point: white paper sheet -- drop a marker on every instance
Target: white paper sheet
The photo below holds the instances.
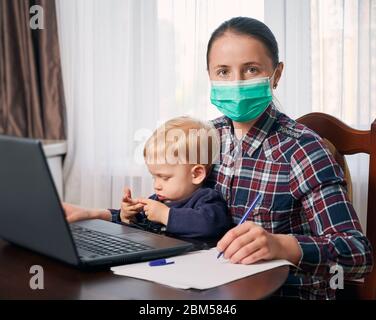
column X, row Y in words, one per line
column 197, row 270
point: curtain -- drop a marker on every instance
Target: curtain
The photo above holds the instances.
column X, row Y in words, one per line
column 110, row 72
column 31, row 89
column 343, row 74
column 128, row 66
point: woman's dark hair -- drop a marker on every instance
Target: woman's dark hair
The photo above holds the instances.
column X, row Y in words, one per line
column 250, row 27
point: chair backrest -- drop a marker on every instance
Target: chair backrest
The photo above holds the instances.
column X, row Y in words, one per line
column 341, row 160
column 349, row 141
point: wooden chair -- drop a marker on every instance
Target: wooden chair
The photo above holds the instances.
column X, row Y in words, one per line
column 349, row 141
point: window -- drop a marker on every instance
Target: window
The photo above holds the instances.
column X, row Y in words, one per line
column 185, row 28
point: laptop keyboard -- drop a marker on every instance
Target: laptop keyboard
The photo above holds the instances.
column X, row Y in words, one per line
column 103, row 244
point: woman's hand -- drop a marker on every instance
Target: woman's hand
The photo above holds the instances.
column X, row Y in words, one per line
column 75, row 213
column 249, row 243
column 129, row 207
column 156, row 211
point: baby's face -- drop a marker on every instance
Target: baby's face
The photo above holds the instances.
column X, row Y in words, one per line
column 172, row 182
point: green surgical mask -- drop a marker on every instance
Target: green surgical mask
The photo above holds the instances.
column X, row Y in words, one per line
column 242, row 100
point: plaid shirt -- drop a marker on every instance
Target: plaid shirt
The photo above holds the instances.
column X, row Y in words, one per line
column 303, row 194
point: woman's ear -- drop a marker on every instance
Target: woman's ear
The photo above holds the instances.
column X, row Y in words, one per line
column 198, row 173
column 278, row 74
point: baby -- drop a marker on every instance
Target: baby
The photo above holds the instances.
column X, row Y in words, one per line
column 179, row 156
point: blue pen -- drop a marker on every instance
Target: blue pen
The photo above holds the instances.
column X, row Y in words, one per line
column 160, row 262
column 246, row 214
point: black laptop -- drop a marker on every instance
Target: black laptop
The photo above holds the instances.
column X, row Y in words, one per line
column 31, row 216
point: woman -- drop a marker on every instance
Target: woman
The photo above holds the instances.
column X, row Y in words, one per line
column 305, row 215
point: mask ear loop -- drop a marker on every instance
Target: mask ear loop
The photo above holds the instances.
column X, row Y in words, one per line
column 276, row 102
column 275, row 85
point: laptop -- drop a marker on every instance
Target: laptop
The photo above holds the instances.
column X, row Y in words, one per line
column 31, row 216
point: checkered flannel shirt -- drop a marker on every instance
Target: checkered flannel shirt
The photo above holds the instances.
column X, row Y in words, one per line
column 303, row 194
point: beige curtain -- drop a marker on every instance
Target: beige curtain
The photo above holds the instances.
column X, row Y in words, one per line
column 343, row 50
column 31, row 88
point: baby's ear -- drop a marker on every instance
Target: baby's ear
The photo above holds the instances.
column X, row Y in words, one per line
column 198, row 173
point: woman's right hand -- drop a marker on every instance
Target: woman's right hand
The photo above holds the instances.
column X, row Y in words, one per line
column 75, row 213
column 129, row 207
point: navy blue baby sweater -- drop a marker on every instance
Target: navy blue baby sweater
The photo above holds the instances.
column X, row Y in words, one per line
column 203, row 215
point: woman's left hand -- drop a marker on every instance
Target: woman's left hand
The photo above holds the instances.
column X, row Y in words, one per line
column 249, row 243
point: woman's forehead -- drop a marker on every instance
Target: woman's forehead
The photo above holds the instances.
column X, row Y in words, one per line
column 235, row 49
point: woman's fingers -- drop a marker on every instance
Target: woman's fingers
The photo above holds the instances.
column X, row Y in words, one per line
column 239, row 243
column 251, row 246
column 232, row 234
column 261, row 254
column 247, row 244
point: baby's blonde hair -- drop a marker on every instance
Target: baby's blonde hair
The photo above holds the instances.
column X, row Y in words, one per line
column 183, row 140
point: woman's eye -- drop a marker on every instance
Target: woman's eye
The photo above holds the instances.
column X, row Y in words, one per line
column 251, row 70
column 222, row 73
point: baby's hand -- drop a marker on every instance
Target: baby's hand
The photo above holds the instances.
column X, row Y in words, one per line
column 156, row 211
column 129, row 207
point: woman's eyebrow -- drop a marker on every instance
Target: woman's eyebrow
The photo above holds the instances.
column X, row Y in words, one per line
column 221, row 66
column 251, row 63
column 244, row 64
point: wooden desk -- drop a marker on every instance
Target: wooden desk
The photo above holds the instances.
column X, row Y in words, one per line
column 65, row 282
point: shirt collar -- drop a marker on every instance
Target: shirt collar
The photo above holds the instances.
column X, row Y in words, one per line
column 259, row 131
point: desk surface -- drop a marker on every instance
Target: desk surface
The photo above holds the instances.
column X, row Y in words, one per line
column 65, row 282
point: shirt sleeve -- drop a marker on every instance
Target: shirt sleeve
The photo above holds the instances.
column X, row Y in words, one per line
column 208, row 218
column 334, row 235
column 115, row 215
